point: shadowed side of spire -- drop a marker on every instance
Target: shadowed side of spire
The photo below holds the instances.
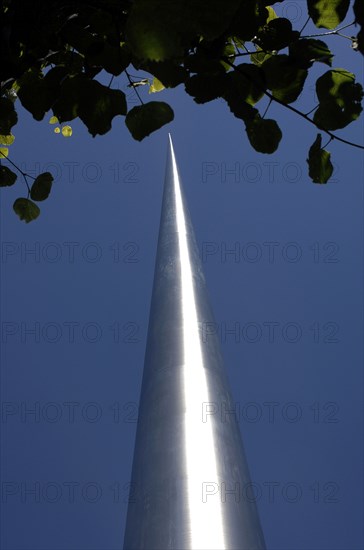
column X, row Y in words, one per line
column 187, row 455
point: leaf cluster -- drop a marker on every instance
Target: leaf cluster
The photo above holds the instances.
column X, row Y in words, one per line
column 56, row 53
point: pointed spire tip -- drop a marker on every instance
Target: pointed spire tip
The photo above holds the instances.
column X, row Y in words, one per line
column 170, row 141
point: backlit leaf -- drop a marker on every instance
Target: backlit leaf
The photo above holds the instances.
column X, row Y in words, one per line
column 7, row 176
column 264, row 134
column 277, row 34
column 145, row 119
column 308, row 50
column 205, row 88
column 271, row 14
column 37, row 93
column 246, row 83
column 41, row 187
column 99, row 105
column 319, row 163
column 168, row 72
column 26, row 209
column 114, row 59
column 162, row 30
column 67, row 131
column 340, row 99
column 284, row 78
column 7, row 140
column 156, row 86
column 67, row 104
column 327, row 13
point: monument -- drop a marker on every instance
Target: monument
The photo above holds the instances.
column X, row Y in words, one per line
column 189, row 467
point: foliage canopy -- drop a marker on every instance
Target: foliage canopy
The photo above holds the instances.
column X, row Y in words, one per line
column 54, row 50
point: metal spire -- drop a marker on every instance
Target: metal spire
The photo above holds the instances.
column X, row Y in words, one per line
column 190, row 477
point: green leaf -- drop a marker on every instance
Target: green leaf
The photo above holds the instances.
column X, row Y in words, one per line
column 7, row 177
column 249, row 18
column 163, row 29
column 202, row 63
column 327, row 13
column 70, row 59
column 8, row 116
column 308, row 50
column 4, row 151
column 99, row 105
column 277, row 34
column 26, row 209
column 320, row 166
column 66, row 106
column 41, row 187
column 340, row 99
column 156, row 86
column 246, row 83
column 243, row 88
column 145, row 119
column 329, row 116
column 7, row 140
column 205, row 88
column 52, row 82
column 260, row 56
column 264, row 134
column 37, row 93
column 94, row 103
column 32, row 94
column 114, row 59
column 229, row 52
column 67, row 131
column 241, row 109
column 167, row 72
column 284, row 77
column 271, row 14
column 340, row 85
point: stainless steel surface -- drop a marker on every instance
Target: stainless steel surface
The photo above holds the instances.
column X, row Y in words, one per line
column 190, row 479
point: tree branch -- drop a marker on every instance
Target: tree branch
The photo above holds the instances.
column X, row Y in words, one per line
column 24, row 174
column 294, row 110
column 328, row 33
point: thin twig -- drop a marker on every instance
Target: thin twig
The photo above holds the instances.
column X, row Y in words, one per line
column 132, row 85
column 312, row 110
column 328, row 33
column 26, row 183
column 17, row 167
column 266, row 110
column 309, row 17
column 247, row 53
column 326, row 144
column 24, row 174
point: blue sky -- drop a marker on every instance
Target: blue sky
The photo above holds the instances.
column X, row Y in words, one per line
column 74, row 316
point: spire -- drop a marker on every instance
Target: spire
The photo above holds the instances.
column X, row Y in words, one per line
column 190, row 477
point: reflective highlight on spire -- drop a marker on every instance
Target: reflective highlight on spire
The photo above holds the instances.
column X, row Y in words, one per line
column 205, row 518
column 189, row 476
